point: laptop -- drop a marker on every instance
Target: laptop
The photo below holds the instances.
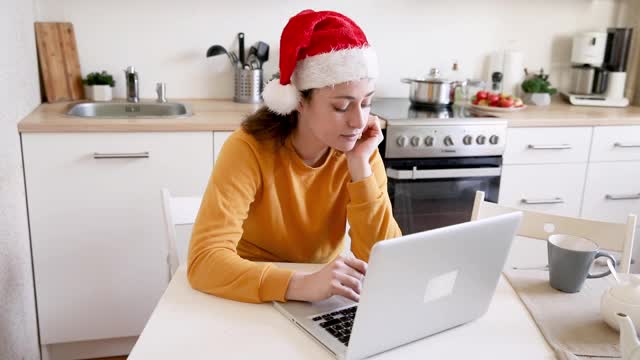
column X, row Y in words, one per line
column 416, row 285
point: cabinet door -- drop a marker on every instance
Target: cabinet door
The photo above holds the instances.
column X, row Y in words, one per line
column 97, row 231
column 612, row 143
column 547, row 145
column 219, row 137
column 612, row 191
column 551, row 188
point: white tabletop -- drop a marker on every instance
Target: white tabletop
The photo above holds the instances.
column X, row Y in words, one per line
column 188, row 324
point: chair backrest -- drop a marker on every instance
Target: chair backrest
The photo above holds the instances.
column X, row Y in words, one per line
column 178, row 210
column 537, row 225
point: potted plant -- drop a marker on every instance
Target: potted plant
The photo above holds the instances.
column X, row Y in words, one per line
column 98, row 86
column 537, row 89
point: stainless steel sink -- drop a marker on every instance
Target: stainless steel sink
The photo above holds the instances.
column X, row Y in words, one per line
column 129, row 110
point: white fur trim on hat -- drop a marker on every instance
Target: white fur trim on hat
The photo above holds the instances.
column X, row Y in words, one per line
column 281, row 99
column 335, row 67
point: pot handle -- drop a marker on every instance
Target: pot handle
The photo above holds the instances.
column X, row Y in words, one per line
column 406, row 81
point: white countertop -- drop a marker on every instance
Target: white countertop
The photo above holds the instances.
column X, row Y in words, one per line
column 188, row 324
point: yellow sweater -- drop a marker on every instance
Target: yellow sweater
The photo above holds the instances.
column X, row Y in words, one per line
column 265, row 204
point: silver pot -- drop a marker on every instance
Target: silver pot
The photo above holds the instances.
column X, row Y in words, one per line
column 432, row 90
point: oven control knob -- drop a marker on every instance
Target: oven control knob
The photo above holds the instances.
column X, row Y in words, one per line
column 428, row 141
column 481, row 139
column 415, row 141
column 467, row 140
column 401, row 141
column 494, row 139
column 448, row 141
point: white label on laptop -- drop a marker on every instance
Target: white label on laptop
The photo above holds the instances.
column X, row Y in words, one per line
column 440, row 286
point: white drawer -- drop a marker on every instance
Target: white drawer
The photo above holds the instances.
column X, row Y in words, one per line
column 616, row 143
column 612, row 191
column 547, row 145
column 550, row 188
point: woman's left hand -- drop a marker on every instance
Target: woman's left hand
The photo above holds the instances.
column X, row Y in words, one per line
column 358, row 157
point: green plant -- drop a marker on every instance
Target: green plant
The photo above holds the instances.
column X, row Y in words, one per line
column 99, row 78
column 538, row 83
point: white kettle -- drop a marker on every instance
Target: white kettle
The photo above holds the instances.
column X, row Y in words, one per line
column 623, row 298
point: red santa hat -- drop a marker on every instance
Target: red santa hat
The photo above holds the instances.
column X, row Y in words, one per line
column 318, row 49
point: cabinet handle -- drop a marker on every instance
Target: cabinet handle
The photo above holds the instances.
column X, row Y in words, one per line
column 556, row 200
column 549, row 147
column 622, row 197
column 138, row 155
column 623, row 145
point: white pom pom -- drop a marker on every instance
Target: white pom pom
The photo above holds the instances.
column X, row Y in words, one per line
column 281, row 99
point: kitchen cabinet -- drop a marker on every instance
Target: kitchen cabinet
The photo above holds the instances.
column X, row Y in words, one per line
column 552, row 188
column 612, row 191
column 97, row 231
column 547, row 145
column 544, row 169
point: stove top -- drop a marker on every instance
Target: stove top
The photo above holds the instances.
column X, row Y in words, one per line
column 453, row 131
column 392, row 109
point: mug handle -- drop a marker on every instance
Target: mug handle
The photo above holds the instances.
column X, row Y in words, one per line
column 602, row 254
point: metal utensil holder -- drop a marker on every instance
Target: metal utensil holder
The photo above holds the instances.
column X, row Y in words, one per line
column 248, row 86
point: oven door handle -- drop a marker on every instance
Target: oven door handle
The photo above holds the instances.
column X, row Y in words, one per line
column 416, row 174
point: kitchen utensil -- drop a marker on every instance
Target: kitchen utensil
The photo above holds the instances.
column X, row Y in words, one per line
column 262, row 52
column 253, row 62
column 496, row 82
column 622, row 298
column 241, row 48
column 59, row 62
column 570, row 258
column 252, row 50
column 432, row 90
column 216, row 50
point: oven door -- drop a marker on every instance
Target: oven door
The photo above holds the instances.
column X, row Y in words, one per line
column 432, row 193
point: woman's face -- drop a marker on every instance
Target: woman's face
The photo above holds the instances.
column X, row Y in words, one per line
column 336, row 115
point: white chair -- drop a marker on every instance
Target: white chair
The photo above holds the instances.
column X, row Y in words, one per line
column 178, row 211
column 609, row 236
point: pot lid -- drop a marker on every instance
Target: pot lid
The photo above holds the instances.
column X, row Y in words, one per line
column 628, row 292
column 433, row 77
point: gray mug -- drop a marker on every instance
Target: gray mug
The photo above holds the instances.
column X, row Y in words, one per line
column 570, row 258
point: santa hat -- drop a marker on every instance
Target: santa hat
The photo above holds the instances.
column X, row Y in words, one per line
column 318, row 49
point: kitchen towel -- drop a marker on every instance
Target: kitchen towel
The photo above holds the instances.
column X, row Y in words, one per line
column 513, row 73
column 571, row 323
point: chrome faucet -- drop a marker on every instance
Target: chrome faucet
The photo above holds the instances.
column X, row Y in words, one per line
column 131, row 77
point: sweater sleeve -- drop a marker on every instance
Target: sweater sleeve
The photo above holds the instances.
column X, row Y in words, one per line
column 214, row 265
column 369, row 211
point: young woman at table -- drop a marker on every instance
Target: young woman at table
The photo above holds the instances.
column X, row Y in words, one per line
column 285, row 184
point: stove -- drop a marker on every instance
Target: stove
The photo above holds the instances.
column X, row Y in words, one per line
column 452, row 131
column 436, row 159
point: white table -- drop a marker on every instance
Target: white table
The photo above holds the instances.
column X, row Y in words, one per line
column 188, row 324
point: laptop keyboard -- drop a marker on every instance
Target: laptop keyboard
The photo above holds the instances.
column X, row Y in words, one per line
column 338, row 323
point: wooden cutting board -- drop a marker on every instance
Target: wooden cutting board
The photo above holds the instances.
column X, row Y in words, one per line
column 59, row 63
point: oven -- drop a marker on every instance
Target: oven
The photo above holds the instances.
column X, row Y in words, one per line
column 435, row 165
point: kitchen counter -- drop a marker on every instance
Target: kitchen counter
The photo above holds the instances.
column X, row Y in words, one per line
column 226, row 115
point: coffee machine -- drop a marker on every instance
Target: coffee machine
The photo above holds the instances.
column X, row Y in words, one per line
column 599, row 65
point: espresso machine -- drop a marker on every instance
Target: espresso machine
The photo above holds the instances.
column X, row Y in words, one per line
column 599, row 65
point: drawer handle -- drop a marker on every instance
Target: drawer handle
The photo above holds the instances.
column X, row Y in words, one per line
column 622, row 197
column 138, row 155
column 549, row 147
column 556, row 200
column 623, row 145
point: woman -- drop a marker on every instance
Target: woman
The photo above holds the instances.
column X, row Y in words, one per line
column 285, row 184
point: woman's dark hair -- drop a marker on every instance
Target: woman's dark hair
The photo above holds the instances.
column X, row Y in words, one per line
column 265, row 124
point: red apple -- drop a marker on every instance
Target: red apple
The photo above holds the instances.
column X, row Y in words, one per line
column 506, row 102
column 482, row 95
column 493, row 98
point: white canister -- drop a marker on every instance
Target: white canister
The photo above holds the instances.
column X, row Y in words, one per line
column 513, row 73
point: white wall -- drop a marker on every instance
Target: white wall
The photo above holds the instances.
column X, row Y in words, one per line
column 19, row 94
column 166, row 40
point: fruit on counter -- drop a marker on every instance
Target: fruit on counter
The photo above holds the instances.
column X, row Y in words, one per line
column 485, row 98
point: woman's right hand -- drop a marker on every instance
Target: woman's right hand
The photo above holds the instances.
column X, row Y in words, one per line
column 343, row 276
